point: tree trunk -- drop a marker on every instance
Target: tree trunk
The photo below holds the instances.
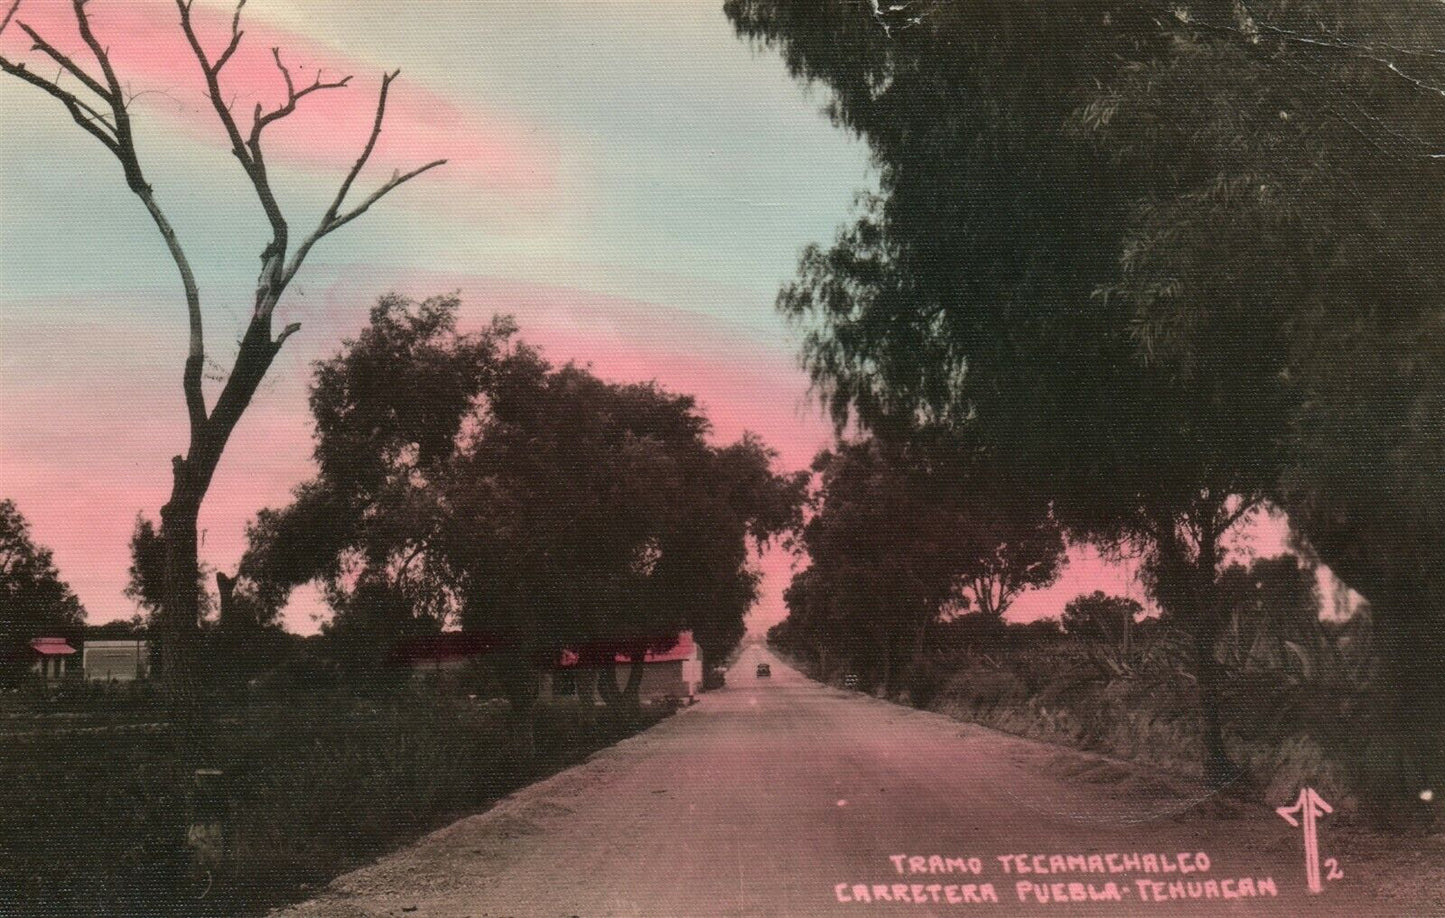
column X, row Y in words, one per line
column 1128, row 642
column 1402, row 752
column 607, row 684
column 587, row 679
column 632, row 691
column 1218, row 770
column 521, row 682
column 232, row 618
column 628, row 697
column 190, row 481
column 887, row 668
column 523, row 729
column 918, row 639
column 1187, row 585
column 180, row 610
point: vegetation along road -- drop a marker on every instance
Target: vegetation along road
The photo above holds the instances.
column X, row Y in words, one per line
column 779, row 796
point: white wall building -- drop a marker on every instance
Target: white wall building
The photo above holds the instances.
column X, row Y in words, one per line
column 121, row 661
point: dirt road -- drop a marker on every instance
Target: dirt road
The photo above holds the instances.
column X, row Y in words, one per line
column 777, row 796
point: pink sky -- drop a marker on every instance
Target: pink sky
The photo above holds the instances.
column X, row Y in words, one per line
column 632, row 186
column 486, row 150
column 52, row 423
column 49, row 432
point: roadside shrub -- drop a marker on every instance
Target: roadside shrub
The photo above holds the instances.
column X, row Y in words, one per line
column 924, row 680
column 91, row 821
column 983, row 688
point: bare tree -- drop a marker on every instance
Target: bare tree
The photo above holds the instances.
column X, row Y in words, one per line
column 100, row 106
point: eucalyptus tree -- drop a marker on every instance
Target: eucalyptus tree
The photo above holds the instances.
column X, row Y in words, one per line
column 597, row 517
column 903, row 533
column 98, row 98
column 966, row 292
column 390, row 407
column 1294, row 233
column 1162, row 269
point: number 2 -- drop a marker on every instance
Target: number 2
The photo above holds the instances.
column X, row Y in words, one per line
column 1333, row 866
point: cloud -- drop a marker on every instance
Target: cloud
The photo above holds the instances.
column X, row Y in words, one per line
column 93, row 411
column 486, row 150
column 743, row 378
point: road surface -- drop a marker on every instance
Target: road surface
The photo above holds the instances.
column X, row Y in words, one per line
column 781, row 797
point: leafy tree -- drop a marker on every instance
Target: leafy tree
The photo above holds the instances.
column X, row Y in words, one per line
column 33, row 598
column 738, row 504
column 244, row 639
column 98, row 98
column 1280, row 594
column 1134, row 262
column 389, row 409
column 1288, row 235
column 133, row 628
column 147, row 583
column 462, row 479
column 585, row 514
column 834, row 630
column 1097, row 616
column 1365, row 494
column 904, row 531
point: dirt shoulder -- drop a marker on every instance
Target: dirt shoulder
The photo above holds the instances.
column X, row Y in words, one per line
column 781, row 797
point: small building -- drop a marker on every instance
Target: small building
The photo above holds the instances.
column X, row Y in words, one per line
column 115, row 661
column 50, row 657
column 675, row 672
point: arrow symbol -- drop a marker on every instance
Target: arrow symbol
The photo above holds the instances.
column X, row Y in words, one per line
column 1305, row 811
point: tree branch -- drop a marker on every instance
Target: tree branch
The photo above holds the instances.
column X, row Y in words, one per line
column 397, row 179
column 1327, row 42
column 356, row 167
column 260, row 121
column 1245, row 506
column 333, row 219
column 209, row 430
column 9, row 16
column 85, row 116
column 273, row 255
column 123, row 146
column 213, row 86
column 66, row 63
column 236, row 34
column 102, row 57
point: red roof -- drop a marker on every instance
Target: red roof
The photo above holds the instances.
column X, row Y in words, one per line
column 683, row 649
column 446, row 646
column 51, row 647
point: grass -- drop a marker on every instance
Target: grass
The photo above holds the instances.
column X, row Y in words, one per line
column 92, row 821
column 1283, row 736
column 1149, row 718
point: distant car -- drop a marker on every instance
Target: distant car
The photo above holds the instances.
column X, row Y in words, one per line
column 764, row 670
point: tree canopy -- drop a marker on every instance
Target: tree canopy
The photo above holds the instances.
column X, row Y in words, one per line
column 389, row 409
column 904, row 533
column 1157, row 267
column 462, row 480
column 592, row 514
column 33, row 598
column 1101, row 617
